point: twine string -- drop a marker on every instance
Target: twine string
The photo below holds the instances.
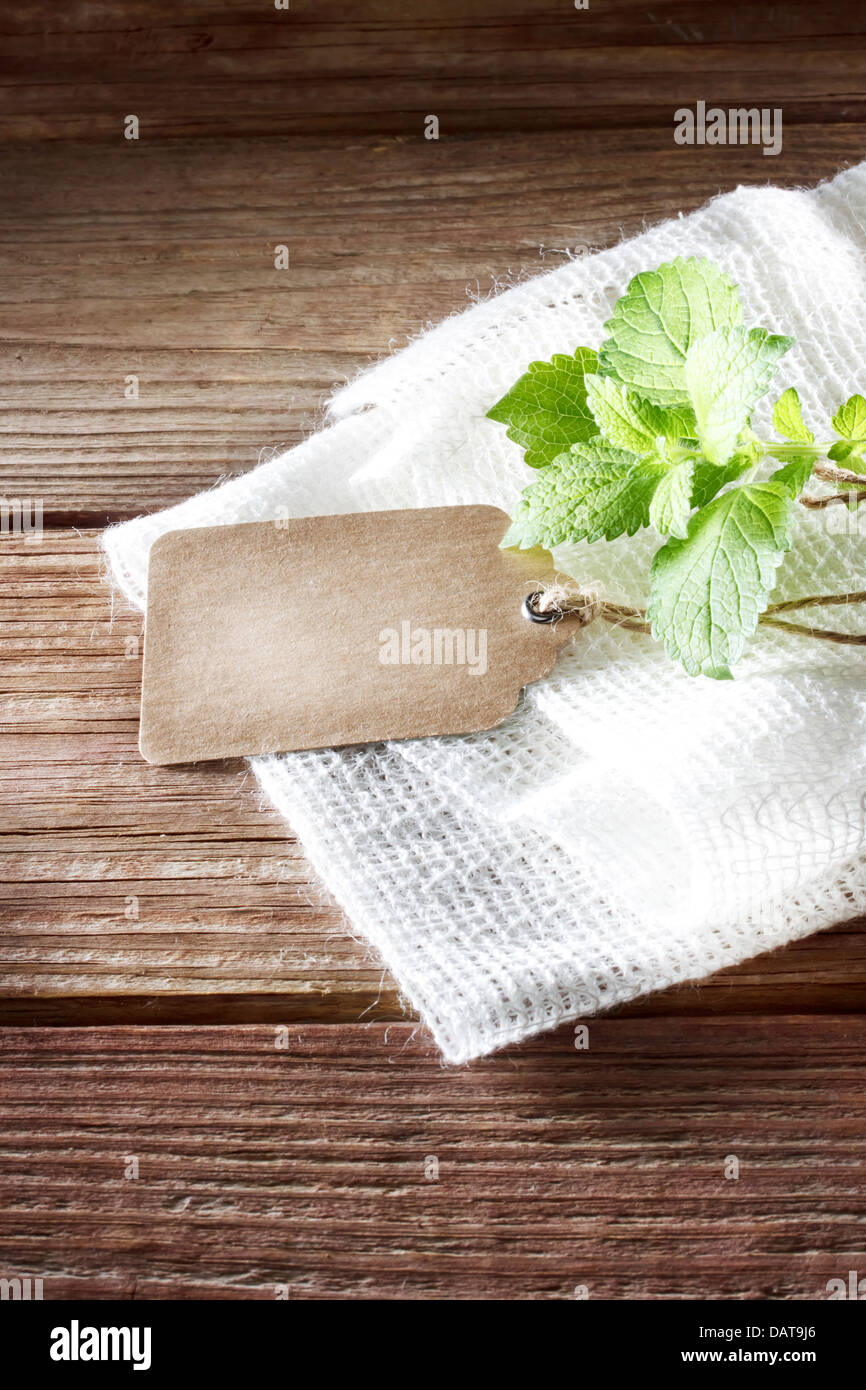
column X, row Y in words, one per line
column 565, row 600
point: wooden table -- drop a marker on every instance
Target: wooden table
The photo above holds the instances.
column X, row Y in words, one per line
column 178, row 996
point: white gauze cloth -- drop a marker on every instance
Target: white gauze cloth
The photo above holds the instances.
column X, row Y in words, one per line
column 628, row 826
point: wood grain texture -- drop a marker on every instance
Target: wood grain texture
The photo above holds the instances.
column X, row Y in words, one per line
column 157, row 261
column 232, row 924
column 305, row 1167
column 73, row 71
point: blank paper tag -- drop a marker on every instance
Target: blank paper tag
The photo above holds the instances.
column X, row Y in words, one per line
column 323, row 631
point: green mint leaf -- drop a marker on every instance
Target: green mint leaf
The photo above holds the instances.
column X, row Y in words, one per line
column 710, row 478
column 709, row 590
column 674, row 423
column 615, row 412
column 662, row 313
column 629, row 421
column 727, row 373
column 590, row 493
column 845, row 451
column 788, row 418
column 850, row 420
column 672, row 500
column 794, row 474
column 546, row 409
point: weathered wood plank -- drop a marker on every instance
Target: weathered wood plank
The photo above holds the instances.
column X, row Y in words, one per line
column 250, row 68
column 231, row 922
column 315, row 1166
column 168, row 275
column 131, row 894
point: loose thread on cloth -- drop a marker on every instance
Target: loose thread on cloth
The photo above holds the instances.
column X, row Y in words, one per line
column 587, row 603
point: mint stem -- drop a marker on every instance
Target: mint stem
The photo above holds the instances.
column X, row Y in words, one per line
column 822, row 468
column 635, row 618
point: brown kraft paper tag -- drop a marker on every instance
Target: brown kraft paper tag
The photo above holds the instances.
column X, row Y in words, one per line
column 270, row 637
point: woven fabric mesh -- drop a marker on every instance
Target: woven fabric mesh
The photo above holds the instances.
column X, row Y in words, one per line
column 627, row 827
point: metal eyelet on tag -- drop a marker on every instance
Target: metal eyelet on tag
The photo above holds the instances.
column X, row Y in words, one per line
column 532, row 613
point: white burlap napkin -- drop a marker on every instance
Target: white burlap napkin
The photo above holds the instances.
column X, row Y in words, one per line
column 628, row 826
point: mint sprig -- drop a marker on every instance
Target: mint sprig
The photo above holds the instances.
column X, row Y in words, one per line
column 655, row 431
